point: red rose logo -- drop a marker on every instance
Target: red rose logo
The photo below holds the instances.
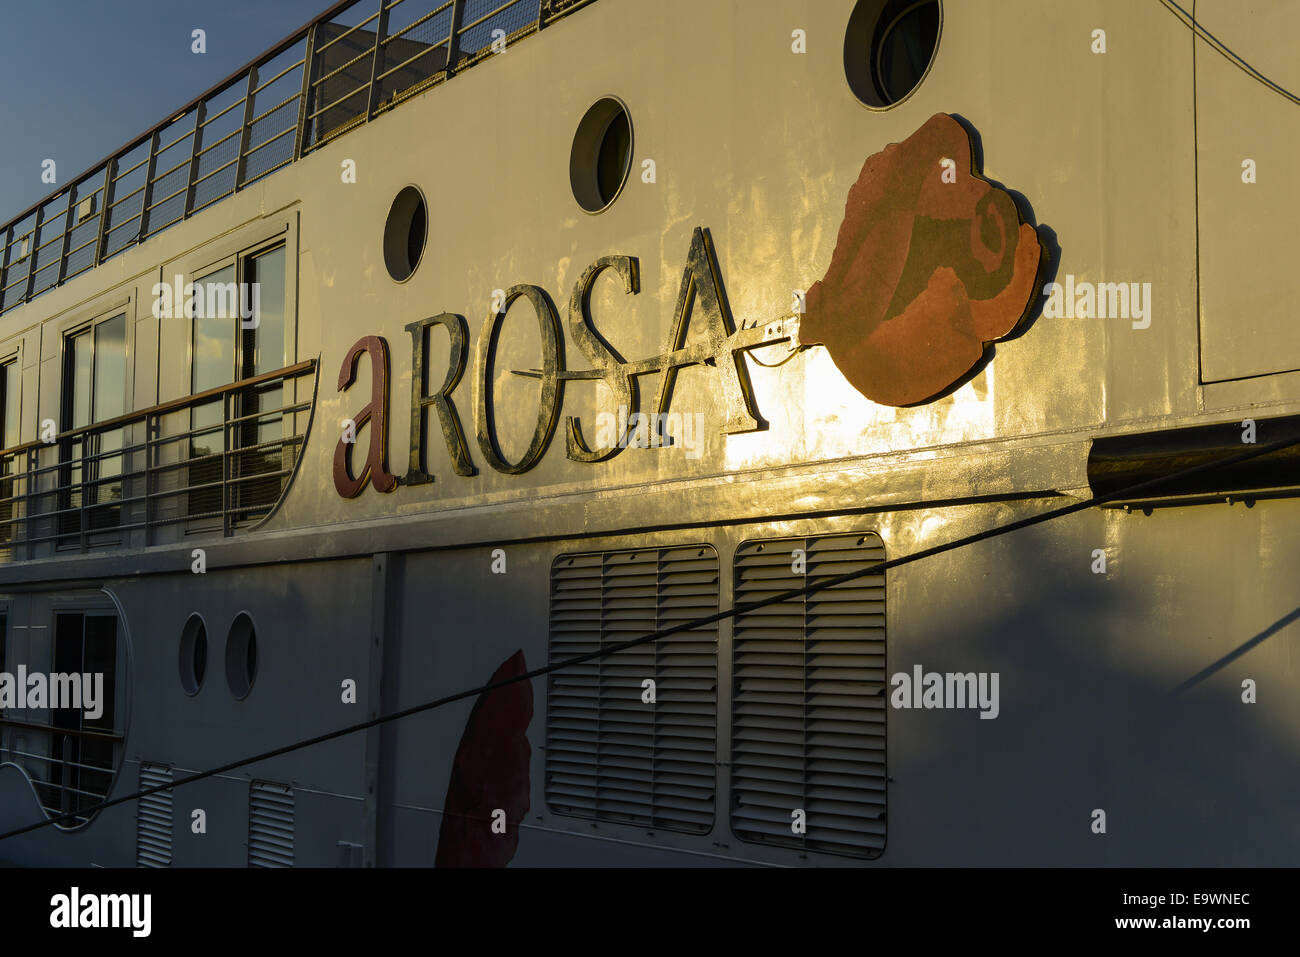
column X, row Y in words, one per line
column 931, row 264
column 489, row 774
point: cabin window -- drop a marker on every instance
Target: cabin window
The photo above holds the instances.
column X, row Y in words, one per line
column 85, row 644
column 405, row 233
column 4, row 643
column 601, row 156
column 809, row 696
column 241, row 656
column 11, row 390
column 888, row 48
column 94, row 390
column 61, row 725
column 237, row 466
column 193, row 654
column 631, row 738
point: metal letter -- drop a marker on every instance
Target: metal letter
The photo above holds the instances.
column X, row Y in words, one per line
column 702, row 285
column 601, row 354
column 452, row 433
column 548, row 412
column 376, row 413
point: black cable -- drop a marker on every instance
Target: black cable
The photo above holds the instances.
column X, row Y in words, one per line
column 876, row 569
column 1187, row 20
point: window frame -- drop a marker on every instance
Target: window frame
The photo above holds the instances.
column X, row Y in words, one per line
column 240, row 259
column 12, row 355
column 86, row 323
column 252, row 239
column 11, row 361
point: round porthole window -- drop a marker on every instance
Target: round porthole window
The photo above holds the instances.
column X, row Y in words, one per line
column 602, row 154
column 241, row 655
column 405, row 233
column 193, row 654
column 888, row 48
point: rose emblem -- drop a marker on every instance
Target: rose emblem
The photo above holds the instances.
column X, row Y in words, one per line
column 931, row 264
column 489, row 773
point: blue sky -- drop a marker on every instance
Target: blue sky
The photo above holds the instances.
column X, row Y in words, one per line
column 83, row 77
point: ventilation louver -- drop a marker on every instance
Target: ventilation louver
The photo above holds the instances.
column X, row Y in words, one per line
column 153, row 833
column 610, row 755
column 809, row 697
column 270, row 825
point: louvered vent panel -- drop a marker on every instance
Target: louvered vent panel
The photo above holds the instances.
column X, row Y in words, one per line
column 270, row 825
column 153, row 831
column 809, row 697
column 608, row 754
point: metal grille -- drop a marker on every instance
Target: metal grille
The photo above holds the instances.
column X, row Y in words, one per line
column 355, row 61
column 153, row 833
column 486, row 21
column 270, row 825
column 609, row 755
column 809, row 697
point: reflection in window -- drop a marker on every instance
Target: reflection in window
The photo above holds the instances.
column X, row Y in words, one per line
column 263, row 351
column 243, row 339
column 11, row 386
column 213, row 365
column 94, row 390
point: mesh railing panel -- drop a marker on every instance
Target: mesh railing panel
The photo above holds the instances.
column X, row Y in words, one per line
column 365, row 57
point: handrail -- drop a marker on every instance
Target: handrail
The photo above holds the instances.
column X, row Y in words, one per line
column 118, row 482
column 162, row 408
column 74, row 732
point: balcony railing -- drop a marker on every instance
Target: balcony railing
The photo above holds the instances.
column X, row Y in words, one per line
column 70, row 769
column 356, row 60
column 210, row 463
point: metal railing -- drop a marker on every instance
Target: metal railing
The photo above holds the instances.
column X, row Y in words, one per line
column 70, row 768
column 212, row 462
column 356, row 60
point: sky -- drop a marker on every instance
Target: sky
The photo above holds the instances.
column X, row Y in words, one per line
column 81, row 78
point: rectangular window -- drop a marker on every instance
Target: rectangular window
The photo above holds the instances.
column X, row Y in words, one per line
column 11, row 393
column 809, row 697
column 237, row 460
column 94, row 390
column 81, row 769
column 632, row 737
column 11, row 389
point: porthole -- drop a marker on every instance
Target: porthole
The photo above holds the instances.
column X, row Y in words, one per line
column 193, row 654
column 405, row 233
column 602, row 154
column 888, row 48
column 241, row 655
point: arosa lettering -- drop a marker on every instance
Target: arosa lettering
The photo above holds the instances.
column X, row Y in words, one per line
column 701, row 304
